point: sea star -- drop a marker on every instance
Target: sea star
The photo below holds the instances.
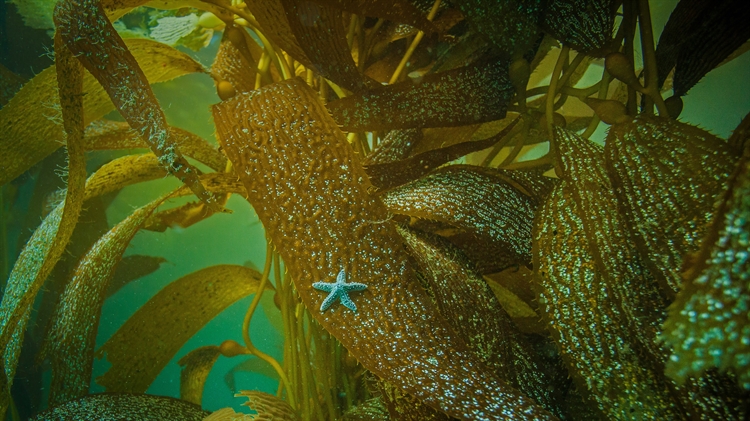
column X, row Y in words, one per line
column 339, row 290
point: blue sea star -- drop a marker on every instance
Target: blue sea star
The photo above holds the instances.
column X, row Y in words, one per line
column 339, row 290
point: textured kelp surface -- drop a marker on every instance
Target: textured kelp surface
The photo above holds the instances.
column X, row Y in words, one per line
column 499, row 212
column 72, row 337
column 46, row 245
column 668, row 176
column 305, row 168
column 467, row 95
column 118, row 406
column 708, row 323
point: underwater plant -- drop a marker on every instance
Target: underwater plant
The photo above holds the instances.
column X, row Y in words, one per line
column 422, row 264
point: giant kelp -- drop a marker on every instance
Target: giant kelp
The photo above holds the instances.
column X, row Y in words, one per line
column 639, row 279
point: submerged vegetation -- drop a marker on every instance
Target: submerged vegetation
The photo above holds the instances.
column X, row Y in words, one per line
column 383, row 146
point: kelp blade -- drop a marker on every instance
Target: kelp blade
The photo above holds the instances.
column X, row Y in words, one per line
column 584, row 318
column 303, row 180
column 709, row 324
column 641, row 306
column 584, row 24
column 481, row 201
column 46, row 245
column 195, row 368
column 29, row 123
column 141, row 348
column 468, row 303
column 86, row 31
column 668, row 176
column 119, row 406
column 467, row 95
column 71, row 340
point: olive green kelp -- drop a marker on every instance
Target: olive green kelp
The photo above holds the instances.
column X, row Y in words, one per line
column 311, row 195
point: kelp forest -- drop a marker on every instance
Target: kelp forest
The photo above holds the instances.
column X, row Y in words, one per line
column 466, row 209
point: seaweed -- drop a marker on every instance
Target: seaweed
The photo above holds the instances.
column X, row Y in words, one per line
column 383, row 146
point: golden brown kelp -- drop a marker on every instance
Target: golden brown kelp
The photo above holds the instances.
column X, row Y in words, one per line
column 482, row 201
column 580, row 164
column 708, row 323
column 195, row 368
column 401, row 11
column 107, row 135
column 141, row 348
column 394, row 173
column 118, row 406
column 467, row 95
column 235, row 67
column 46, row 245
column 584, row 318
column 311, row 195
column 370, row 410
column 72, row 335
column 468, row 304
column 511, row 25
column 396, row 145
column 667, row 175
column 321, row 35
column 86, row 31
column 30, row 126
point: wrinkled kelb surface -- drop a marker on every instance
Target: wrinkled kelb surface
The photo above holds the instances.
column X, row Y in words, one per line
column 311, row 195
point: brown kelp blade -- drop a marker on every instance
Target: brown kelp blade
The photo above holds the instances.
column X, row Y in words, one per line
column 468, row 95
column 87, row 32
column 698, row 37
column 391, row 174
column 616, row 259
column 511, row 25
column 586, row 25
column 47, row 243
column 273, row 23
column 141, row 348
column 236, row 62
column 470, row 306
column 584, row 317
column 480, row 200
column 401, row 11
column 668, row 175
column 118, row 406
column 195, row 368
column 311, row 194
column 321, row 34
column 709, row 324
column 72, row 337
column 29, row 123
column 396, row 145
column 107, row 135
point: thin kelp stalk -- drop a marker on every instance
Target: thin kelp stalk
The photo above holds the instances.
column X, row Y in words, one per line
column 413, row 46
column 651, row 73
column 562, row 58
column 246, row 329
column 48, row 242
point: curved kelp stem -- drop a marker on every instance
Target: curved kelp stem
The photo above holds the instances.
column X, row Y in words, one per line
column 86, row 31
column 246, row 328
